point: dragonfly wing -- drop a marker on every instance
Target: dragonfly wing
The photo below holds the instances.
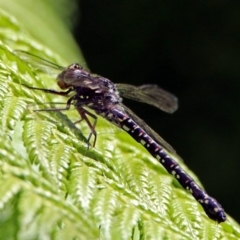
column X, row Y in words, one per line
column 150, row 94
column 38, row 63
column 149, row 130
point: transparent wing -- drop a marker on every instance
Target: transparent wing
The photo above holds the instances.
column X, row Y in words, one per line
column 38, row 63
column 149, row 130
column 151, row 94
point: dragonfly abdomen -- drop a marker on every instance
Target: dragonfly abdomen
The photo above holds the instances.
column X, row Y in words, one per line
column 211, row 207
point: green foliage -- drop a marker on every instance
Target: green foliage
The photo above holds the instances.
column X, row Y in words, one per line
column 54, row 187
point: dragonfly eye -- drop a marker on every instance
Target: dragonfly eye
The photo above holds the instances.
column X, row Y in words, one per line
column 74, row 66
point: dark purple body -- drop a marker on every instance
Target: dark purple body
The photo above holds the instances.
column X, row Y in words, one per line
column 105, row 101
column 102, row 96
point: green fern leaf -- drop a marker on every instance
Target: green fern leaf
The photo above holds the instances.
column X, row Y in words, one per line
column 54, row 187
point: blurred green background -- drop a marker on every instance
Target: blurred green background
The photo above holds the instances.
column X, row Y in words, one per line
column 191, row 49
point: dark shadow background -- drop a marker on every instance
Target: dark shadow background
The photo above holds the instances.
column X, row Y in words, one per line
column 191, row 49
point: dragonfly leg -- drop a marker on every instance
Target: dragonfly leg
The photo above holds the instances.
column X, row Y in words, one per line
column 83, row 113
column 68, row 105
column 51, row 90
column 78, row 121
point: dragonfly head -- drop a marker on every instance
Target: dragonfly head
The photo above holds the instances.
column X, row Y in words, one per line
column 68, row 77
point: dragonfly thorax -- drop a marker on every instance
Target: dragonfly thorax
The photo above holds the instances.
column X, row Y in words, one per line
column 96, row 97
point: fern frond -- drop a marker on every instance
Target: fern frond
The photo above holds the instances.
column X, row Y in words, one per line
column 54, row 187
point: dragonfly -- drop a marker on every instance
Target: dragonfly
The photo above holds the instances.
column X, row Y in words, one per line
column 91, row 91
